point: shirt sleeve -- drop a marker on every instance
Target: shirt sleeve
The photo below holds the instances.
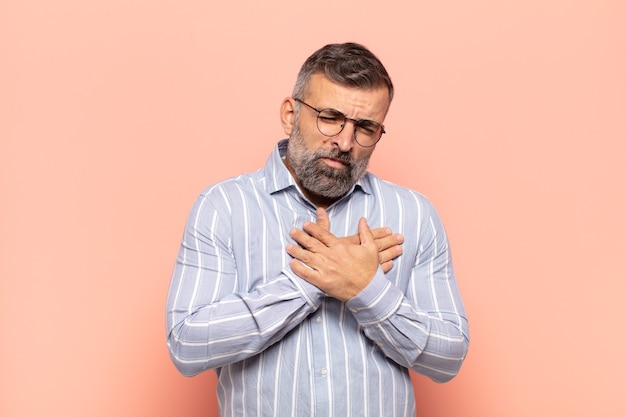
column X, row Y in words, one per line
column 211, row 321
column 423, row 327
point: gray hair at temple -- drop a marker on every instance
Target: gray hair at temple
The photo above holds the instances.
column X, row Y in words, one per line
column 347, row 64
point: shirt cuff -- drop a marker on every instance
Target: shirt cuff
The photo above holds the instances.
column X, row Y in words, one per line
column 377, row 302
column 310, row 292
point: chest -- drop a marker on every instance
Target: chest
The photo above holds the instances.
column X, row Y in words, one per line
column 261, row 233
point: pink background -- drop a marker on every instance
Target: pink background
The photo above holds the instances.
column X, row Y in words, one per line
column 114, row 115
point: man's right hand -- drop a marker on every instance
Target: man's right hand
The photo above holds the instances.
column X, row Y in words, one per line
column 389, row 243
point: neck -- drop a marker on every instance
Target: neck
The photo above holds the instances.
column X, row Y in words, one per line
column 317, row 200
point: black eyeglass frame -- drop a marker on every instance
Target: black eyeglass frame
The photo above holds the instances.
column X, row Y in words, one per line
column 356, row 123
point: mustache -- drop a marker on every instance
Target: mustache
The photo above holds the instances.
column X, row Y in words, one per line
column 344, row 157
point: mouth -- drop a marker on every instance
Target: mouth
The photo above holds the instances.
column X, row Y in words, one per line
column 334, row 163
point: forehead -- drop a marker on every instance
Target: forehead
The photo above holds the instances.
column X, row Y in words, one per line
column 354, row 102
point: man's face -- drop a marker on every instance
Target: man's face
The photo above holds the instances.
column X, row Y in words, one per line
column 326, row 166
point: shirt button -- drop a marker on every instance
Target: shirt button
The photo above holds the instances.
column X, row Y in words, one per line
column 324, row 371
column 318, row 319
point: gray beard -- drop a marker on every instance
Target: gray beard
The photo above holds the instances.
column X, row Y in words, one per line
column 317, row 177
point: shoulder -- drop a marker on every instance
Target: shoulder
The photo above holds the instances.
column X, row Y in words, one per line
column 232, row 186
column 387, row 190
column 222, row 196
column 410, row 208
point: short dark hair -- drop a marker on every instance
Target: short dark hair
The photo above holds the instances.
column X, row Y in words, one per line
column 347, row 64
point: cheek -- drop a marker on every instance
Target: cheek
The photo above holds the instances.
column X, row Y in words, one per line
column 360, row 153
column 311, row 138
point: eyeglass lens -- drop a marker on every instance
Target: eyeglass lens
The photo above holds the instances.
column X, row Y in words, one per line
column 331, row 122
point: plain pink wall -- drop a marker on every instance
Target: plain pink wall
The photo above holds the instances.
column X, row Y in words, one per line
column 510, row 116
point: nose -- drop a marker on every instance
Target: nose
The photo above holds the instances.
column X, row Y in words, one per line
column 345, row 139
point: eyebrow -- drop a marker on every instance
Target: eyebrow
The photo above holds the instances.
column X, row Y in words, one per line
column 349, row 118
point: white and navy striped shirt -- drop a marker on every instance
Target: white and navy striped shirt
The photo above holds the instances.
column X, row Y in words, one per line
column 280, row 347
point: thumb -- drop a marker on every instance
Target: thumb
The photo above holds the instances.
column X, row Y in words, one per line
column 322, row 219
column 365, row 233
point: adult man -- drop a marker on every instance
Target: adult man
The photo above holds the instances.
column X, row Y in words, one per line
column 296, row 319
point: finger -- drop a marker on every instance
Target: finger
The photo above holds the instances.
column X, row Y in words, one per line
column 322, row 218
column 305, row 240
column 381, row 232
column 365, row 233
column 320, row 234
column 389, row 254
column 304, row 263
column 303, row 271
column 388, row 242
column 300, row 254
column 386, row 266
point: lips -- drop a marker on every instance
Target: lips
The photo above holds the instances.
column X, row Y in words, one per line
column 335, row 163
column 336, row 159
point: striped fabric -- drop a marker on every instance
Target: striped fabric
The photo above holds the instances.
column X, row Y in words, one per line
column 280, row 347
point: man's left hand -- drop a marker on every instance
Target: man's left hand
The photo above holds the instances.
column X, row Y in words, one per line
column 337, row 266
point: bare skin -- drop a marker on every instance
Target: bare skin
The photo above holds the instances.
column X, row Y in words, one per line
column 341, row 267
column 354, row 103
column 389, row 243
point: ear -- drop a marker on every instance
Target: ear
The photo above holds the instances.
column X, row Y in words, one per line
column 288, row 115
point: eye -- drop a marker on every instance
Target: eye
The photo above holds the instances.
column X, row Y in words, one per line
column 331, row 116
column 368, row 127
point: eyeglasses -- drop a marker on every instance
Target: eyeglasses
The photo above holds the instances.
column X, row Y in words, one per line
column 330, row 122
